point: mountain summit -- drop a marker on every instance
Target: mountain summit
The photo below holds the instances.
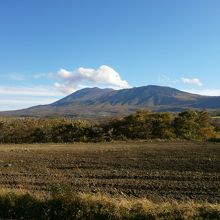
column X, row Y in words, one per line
column 96, row 102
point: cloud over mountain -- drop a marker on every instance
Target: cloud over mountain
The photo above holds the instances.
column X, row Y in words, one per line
column 104, row 76
column 192, row 81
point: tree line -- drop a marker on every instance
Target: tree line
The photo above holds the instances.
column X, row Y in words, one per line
column 189, row 125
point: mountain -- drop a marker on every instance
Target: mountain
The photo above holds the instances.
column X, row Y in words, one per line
column 96, row 102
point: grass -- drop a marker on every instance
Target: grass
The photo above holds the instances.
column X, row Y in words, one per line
column 99, row 206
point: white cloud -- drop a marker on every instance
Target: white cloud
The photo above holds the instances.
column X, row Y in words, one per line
column 29, row 91
column 166, row 80
column 13, row 77
column 192, row 81
column 44, row 75
column 16, row 77
column 64, row 88
column 207, row 92
column 12, row 98
column 10, row 103
column 104, row 76
column 64, row 74
column 17, row 97
column 27, row 101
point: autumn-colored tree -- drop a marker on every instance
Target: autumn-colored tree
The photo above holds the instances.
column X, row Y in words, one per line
column 191, row 125
column 206, row 129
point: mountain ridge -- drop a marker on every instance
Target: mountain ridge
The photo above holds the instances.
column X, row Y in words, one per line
column 96, row 102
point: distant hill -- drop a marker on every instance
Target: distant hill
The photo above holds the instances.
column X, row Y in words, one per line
column 96, row 102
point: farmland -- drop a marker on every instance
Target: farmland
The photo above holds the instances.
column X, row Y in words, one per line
column 158, row 170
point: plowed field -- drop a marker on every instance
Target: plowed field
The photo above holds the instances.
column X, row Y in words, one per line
column 157, row 170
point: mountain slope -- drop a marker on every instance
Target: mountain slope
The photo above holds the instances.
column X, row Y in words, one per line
column 95, row 102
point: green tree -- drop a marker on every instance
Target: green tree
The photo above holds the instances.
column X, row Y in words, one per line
column 186, row 125
column 162, row 126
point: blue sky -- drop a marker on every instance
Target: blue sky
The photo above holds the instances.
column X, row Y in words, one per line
column 50, row 48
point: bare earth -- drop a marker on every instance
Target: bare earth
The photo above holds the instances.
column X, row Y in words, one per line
column 157, row 170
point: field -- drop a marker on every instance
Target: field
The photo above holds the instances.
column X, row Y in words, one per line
column 159, row 171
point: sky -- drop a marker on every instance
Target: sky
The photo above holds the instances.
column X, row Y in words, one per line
column 51, row 48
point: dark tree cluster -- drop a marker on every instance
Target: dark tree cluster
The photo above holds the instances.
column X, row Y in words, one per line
column 190, row 125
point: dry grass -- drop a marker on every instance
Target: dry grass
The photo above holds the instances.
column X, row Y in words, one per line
column 122, row 206
column 100, row 206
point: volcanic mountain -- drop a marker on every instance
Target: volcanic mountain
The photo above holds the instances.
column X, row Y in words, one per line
column 96, row 102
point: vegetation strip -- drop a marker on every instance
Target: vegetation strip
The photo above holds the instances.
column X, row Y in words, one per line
column 99, row 206
column 189, row 125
